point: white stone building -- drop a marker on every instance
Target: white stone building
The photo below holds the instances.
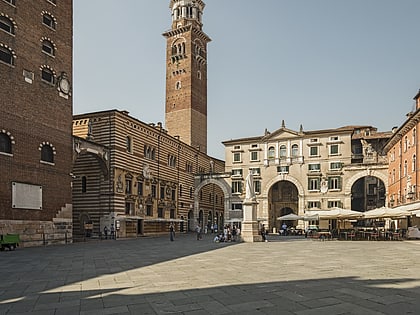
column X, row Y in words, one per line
column 295, row 171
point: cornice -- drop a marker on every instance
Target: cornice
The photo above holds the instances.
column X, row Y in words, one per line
column 409, row 124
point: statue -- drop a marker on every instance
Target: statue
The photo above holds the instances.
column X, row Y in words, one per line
column 250, row 193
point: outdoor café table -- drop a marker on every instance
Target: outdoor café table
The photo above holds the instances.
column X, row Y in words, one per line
column 345, row 233
column 324, row 235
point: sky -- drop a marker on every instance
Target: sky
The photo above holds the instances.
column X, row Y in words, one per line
column 321, row 64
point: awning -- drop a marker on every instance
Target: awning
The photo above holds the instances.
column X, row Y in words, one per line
column 290, row 217
column 386, row 212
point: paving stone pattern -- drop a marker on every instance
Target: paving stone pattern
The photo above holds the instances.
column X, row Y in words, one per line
column 157, row 276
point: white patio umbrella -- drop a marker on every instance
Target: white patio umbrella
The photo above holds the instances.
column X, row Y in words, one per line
column 385, row 212
column 290, row 217
column 335, row 213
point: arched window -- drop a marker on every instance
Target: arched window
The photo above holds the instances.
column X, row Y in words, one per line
column 47, row 75
column 7, row 25
column 47, row 153
column 6, row 55
column 5, row 143
column 405, row 168
column 84, row 184
column 283, row 151
column 295, row 150
column 271, row 153
column 48, row 47
column 49, row 20
column 413, row 163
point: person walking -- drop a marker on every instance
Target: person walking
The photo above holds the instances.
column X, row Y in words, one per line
column 263, row 234
column 171, row 232
column 198, row 231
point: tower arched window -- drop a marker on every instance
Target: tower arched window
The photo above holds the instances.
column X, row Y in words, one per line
column 7, row 25
column 5, row 143
column 47, row 153
column 6, row 55
column 48, row 47
column 178, row 85
column 295, row 150
column 49, row 20
column 47, row 75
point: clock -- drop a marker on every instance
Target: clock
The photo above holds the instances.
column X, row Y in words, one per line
column 64, row 84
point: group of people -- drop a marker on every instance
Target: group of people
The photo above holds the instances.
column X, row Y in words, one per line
column 112, row 232
column 229, row 234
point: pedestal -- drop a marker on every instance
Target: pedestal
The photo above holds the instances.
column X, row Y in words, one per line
column 250, row 229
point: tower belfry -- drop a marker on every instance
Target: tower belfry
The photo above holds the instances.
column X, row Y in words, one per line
column 186, row 74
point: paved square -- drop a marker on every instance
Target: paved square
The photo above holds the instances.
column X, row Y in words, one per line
column 156, row 276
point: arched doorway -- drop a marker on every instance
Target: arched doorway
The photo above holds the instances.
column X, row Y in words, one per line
column 283, row 199
column 367, row 193
column 191, row 221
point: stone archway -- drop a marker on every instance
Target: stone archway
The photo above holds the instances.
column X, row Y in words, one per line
column 283, row 198
column 221, row 211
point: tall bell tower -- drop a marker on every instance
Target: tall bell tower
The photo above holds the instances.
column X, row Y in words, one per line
column 186, row 74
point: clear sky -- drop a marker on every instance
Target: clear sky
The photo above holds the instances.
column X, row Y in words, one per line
column 320, row 63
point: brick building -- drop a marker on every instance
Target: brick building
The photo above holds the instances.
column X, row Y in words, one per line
column 140, row 178
column 35, row 119
column 403, row 172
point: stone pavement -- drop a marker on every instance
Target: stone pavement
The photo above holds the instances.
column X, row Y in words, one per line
column 155, row 276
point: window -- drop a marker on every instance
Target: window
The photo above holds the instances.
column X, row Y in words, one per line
column 334, row 149
column 48, row 20
column 149, row 210
column 84, row 184
column 178, row 85
column 7, row 25
column 405, row 168
column 191, row 192
column 6, row 55
column 47, row 75
column 140, row 188
column 314, row 183
column 405, row 143
column 162, row 192
column 314, row 167
column 237, row 173
column 236, row 157
column 413, row 163
column 236, row 206
column 47, row 153
column 236, row 147
column 128, row 183
column 129, row 144
column 334, row 204
column 334, row 183
column 160, row 212
column 254, row 156
column 271, row 153
column 237, row 187
column 335, row 166
column 313, row 151
column 5, row 143
column 171, row 160
column 172, row 214
column 154, row 191
column 257, row 186
column 12, row 2
column 295, row 150
column 284, row 169
column 283, row 151
column 48, row 47
column 335, row 138
column 173, row 194
column 256, row 171
column 314, row 204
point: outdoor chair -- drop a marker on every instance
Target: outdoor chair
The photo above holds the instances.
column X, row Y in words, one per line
column 374, row 235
